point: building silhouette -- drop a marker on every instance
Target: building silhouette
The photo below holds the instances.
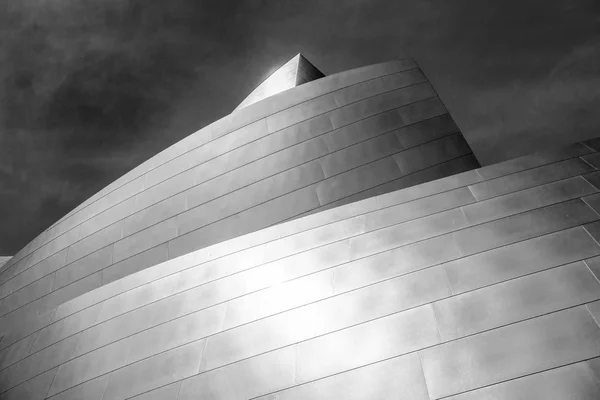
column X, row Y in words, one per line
column 333, row 237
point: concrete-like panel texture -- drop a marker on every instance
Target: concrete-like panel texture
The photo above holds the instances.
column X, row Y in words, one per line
column 481, row 285
column 322, row 144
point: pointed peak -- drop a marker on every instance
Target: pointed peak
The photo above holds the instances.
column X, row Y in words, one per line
column 295, row 72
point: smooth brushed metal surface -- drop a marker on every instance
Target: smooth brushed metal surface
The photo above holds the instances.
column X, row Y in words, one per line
column 516, row 300
column 511, row 352
column 398, row 378
column 573, row 381
column 519, row 259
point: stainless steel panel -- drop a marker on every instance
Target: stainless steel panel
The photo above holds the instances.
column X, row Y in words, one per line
column 324, row 317
column 432, row 187
column 529, row 178
column 23, row 328
column 178, row 164
column 425, row 131
column 240, row 136
column 363, row 129
column 34, row 389
column 108, row 217
column 383, row 102
column 399, row 378
column 6, row 377
column 16, row 352
column 244, row 380
column 44, row 360
column 432, row 173
column 594, row 366
column 594, row 309
column 290, row 157
column 573, row 381
column 532, row 161
column 594, row 230
column 432, row 153
column 36, row 272
column 138, row 262
column 275, row 211
column 61, row 242
column 358, row 179
column 593, row 159
column 406, row 233
column 95, row 241
column 176, row 333
column 90, row 390
column 594, row 266
column 65, row 327
column 422, row 110
column 418, row 208
column 360, row 154
column 126, row 191
column 83, row 267
column 395, row 262
column 520, row 259
column 227, row 162
column 593, row 178
column 137, row 297
column 362, row 90
column 593, row 201
column 278, row 298
column 27, row 294
column 284, row 247
column 301, row 112
column 402, row 79
column 524, row 226
column 71, row 291
column 510, row 352
column 295, row 134
column 251, row 196
column 89, row 366
column 145, row 239
column 528, row 199
column 380, row 339
column 154, row 213
column 593, row 144
column 154, row 372
column 516, row 300
column 169, row 392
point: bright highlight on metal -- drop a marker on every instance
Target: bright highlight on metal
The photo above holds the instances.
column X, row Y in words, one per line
column 293, row 73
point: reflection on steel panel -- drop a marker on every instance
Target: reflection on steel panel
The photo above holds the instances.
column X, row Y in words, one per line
column 511, row 352
column 574, row 381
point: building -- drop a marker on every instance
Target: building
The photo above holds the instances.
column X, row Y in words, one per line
column 333, row 237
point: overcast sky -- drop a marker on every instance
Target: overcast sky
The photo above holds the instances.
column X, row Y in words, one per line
column 91, row 88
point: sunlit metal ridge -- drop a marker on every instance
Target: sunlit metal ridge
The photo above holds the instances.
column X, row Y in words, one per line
column 293, row 73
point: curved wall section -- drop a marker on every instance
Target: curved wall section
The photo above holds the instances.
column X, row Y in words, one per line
column 479, row 285
column 325, row 143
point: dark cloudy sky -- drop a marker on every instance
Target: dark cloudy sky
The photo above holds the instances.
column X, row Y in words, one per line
column 91, row 88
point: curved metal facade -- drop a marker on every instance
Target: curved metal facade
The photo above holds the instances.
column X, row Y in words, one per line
column 324, row 143
column 482, row 284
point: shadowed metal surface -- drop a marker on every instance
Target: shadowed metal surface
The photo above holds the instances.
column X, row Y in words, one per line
column 479, row 285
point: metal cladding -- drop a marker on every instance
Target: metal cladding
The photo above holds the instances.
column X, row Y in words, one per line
column 293, row 73
column 401, row 272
